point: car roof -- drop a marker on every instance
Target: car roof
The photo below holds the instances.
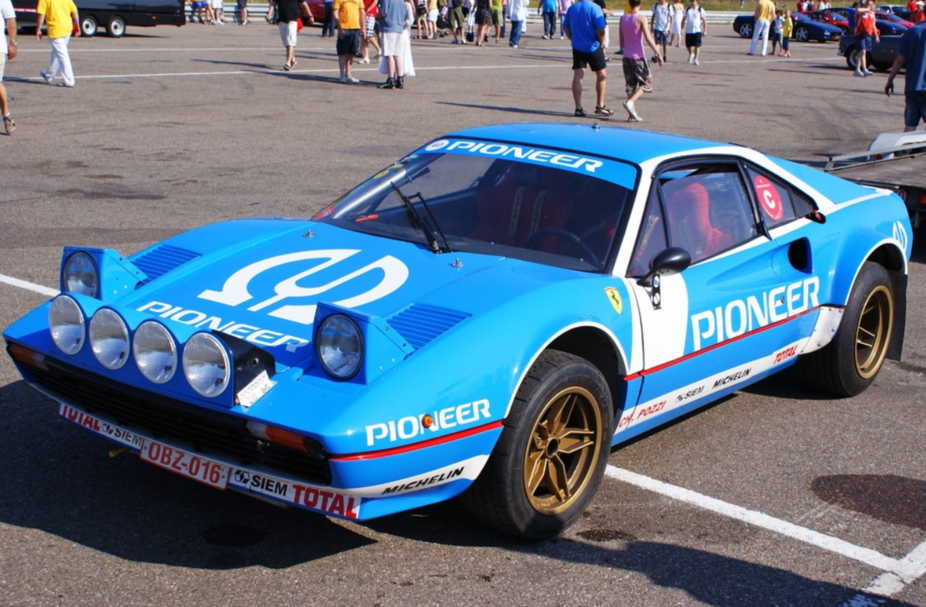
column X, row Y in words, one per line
column 631, row 145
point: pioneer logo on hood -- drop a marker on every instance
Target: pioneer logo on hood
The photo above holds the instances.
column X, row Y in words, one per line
column 282, row 300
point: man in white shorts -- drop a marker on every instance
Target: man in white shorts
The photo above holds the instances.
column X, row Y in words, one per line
column 289, row 12
column 392, row 26
column 7, row 51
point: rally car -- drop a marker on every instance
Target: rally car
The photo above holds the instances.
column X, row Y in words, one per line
column 486, row 317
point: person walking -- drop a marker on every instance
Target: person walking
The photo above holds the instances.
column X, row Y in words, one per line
column 585, row 25
column 548, row 10
column 864, row 30
column 912, row 54
column 289, row 12
column 349, row 19
column 678, row 15
column 662, row 23
column 563, row 9
column 765, row 12
column 61, row 19
column 695, row 25
column 637, row 76
column 8, row 50
column 392, row 25
column 518, row 14
column 371, row 7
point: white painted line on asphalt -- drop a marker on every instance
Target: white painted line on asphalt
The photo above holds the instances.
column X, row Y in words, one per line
column 889, row 583
column 22, row 284
column 752, row 517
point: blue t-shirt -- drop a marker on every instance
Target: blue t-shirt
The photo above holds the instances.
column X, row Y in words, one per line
column 548, row 6
column 913, row 49
column 394, row 22
column 583, row 20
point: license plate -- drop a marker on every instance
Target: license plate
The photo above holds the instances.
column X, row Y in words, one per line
column 184, row 463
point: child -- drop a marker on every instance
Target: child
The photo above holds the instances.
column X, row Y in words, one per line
column 786, row 35
column 778, row 24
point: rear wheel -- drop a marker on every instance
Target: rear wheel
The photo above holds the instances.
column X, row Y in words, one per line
column 746, row 30
column 552, row 453
column 116, row 27
column 802, row 34
column 850, row 363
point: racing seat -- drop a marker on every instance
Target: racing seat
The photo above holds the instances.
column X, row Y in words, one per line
column 525, row 199
column 690, row 224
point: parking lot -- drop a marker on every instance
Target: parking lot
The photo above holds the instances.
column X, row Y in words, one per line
column 774, row 496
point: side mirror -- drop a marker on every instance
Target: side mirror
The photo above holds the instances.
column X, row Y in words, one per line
column 668, row 261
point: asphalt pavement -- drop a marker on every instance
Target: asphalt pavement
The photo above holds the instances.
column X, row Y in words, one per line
column 774, row 496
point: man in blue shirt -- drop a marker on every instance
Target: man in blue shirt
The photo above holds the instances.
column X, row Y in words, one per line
column 584, row 25
column 913, row 54
column 548, row 10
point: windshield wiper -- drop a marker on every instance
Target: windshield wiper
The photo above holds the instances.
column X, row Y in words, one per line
column 434, row 235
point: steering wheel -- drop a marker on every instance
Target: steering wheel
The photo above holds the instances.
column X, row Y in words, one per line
column 570, row 236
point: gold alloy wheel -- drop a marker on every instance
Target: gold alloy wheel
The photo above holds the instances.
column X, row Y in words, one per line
column 873, row 332
column 563, row 448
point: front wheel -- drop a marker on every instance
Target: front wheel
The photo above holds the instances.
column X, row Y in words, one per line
column 88, row 26
column 746, row 30
column 850, row 363
column 551, row 456
column 802, row 34
column 116, row 27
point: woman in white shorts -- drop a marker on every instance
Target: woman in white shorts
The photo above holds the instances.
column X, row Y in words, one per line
column 433, row 13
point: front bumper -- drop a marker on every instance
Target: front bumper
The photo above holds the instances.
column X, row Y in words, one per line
column 357, row 487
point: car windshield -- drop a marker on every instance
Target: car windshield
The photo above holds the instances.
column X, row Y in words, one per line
column 550, row 207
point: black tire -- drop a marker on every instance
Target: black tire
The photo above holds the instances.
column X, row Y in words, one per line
column 851, row 362
column 746, row 30
column 116, row 27
column 88, row 26
column 802, row 34
column 562, row 421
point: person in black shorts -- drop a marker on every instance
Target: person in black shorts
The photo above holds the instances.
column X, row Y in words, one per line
column 585, row 26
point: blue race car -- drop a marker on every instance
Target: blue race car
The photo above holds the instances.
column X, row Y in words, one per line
column 486, row 317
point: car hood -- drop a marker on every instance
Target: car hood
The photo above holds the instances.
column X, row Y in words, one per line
column 266, row 288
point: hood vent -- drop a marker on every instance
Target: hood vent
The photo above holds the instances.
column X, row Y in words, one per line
column 161, row 260
column 421, row 324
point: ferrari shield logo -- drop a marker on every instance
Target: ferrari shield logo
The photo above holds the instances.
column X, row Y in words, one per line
column 615, row 298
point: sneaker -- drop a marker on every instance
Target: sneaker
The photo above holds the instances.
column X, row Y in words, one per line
column 9, row 124
column 562, row 36
column 364, row 60
column 389, row 84
column 65, row 85
column 859, row 74
column 696, row 62
column 287, row 67
column 48, row 79
column 631, row 112
column 545, row 37
column 691, row 58
column 343, row 79
column 400, row 83
column 603, row 110
column 580, row 113
column 245, row 22
column 455, row 41
column 868, row 73
column 352, row 80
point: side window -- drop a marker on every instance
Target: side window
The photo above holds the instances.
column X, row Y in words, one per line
column 707, row 208
column 778, row 204
column 652, row 237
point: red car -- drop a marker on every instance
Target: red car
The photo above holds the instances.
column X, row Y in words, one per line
column 888, row 16
column 831, row 18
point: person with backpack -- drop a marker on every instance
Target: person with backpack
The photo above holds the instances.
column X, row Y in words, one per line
column 695, row 25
